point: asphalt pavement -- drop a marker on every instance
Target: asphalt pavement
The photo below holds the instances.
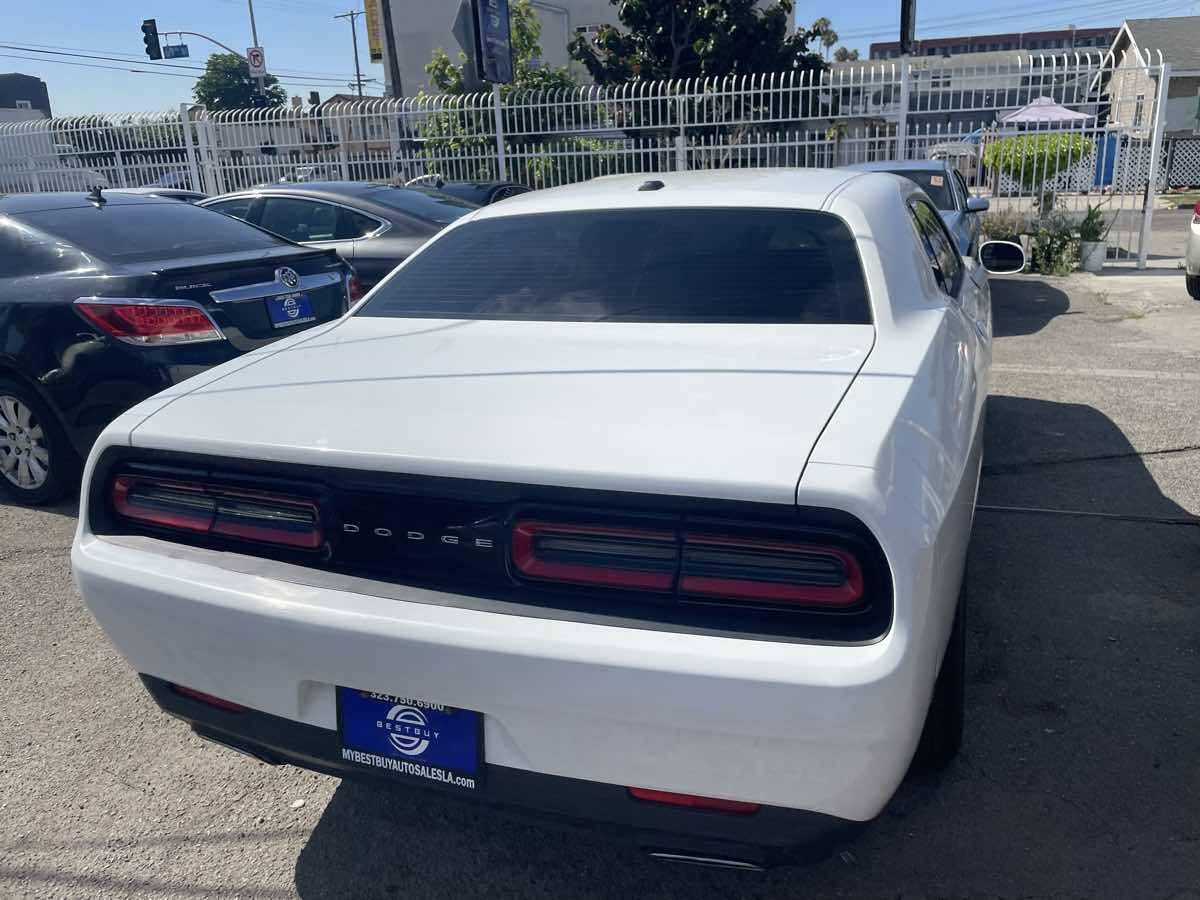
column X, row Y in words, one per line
column 1079, row 774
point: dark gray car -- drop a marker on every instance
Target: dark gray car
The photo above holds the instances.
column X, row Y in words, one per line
column 374, row 227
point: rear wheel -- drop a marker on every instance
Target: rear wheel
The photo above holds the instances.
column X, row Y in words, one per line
column 37, row 464
column 1193, row 286
column 944, row 722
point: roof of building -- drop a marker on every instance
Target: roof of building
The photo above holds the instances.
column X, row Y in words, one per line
column 1177, row 37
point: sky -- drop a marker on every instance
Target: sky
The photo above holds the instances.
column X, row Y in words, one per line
column 307, row 49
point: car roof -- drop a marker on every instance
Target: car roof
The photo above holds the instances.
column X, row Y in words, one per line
column 27, row 203
column 786, row 188
column 901, row 165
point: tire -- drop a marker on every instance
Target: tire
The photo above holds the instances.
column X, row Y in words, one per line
column 942, row 735
column 37, row 463
column 1193, row 286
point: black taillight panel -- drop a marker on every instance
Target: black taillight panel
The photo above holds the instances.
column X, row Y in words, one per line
column 735, row 568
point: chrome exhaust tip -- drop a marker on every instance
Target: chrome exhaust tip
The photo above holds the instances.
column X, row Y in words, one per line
column 713, row 862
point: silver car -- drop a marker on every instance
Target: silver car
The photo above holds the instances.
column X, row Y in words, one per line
column 1192, row 258
column 948, row 190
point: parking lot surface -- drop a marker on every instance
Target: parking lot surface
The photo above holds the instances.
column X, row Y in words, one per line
column 1079, row 773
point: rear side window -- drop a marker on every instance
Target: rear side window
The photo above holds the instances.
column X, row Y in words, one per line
column 26, row 251
column 137, row 232
column 649, row 265
column 935, row 184
column 239, row 207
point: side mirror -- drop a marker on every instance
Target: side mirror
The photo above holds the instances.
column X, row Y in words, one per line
column 1001, row 257
column 977, row 204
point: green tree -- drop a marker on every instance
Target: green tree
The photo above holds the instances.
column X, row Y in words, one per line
column 823, row 29
column 845, row 54
column 226, row 84
column 695, row 38
column 528, row 72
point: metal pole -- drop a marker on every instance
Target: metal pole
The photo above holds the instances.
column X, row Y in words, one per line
column 501, row 165
column 902, row 116
column 1160, row 121
column 353, row 15
column 261, row 79
column 193, row 170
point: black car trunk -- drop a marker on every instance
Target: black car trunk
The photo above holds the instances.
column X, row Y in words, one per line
column 257, row 300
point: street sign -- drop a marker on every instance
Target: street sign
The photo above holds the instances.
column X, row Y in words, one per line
column 494, row 41
column 257, row 61
column 178, row 51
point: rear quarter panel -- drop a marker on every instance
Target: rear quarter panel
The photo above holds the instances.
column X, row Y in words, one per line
column 904, row 448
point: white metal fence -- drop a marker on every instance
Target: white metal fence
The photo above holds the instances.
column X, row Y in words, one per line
column 873, row 111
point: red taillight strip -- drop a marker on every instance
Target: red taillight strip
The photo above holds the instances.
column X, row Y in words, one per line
column 213, row 509
column 147, row 322
column 849, row 592
column 208, row 699
column 694, row 801
column 525, row 535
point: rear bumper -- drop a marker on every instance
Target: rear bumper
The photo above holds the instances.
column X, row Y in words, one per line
column 771, row 834
column 819, row 728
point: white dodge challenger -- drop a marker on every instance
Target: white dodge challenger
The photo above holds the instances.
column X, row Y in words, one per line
column 643, row 501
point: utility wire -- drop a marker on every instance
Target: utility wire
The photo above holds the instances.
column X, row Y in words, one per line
column 157, row 65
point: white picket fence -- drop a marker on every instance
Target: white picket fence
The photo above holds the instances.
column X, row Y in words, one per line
column 876, row 110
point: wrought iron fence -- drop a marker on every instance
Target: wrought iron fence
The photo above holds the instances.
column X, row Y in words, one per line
column 863, row 112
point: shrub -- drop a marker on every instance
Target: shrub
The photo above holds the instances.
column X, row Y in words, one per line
column 1007, row 225
column 1054, row 245
column 1033, row 160
column 1091, row 226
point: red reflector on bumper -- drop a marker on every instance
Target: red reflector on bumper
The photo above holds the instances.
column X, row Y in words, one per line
column 209, row 699
column 693, row 801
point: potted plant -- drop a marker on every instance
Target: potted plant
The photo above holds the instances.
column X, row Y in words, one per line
column 1093, row 249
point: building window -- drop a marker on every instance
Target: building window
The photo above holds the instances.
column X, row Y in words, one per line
column 588, row 31
column 1139, row 110
column 24, row 104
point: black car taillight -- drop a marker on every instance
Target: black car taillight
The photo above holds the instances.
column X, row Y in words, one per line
column 584, row 553
column 150, row 322
column 699, row 567
column 727, row 568
column 213, row 509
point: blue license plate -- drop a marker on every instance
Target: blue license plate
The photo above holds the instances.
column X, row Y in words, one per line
column 411, row 738
column 290, row 309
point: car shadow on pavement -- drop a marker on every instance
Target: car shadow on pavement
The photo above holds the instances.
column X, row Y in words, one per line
column 1024, row 305
column 1077, row 774
column 68, row 507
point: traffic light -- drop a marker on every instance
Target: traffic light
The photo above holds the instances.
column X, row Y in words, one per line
column 150, row 39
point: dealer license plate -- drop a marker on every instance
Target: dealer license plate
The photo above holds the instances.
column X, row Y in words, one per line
column 410, row 738
column 290, row 309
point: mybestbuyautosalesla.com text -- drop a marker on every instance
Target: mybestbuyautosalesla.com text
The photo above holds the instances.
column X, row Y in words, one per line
column 405, row 767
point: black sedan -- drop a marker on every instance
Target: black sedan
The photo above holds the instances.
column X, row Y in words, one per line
column 372, row 226
column 106, row 299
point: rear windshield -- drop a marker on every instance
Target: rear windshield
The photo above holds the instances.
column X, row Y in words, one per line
column 423, row 203
column 935, row 184
column 137, row 232
column 650, row 265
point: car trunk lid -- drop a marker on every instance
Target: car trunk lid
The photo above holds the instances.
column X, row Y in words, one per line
column 713, row 410
column 240, row 291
